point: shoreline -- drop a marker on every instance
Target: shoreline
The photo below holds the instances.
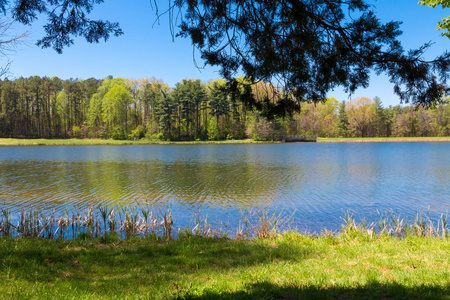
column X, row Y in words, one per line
column 384, row 140
column 93, row 142
column 96, row 142
column 352, row 265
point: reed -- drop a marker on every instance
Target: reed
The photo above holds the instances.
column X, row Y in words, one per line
column 131, row 222
column 265, row 225
column 90, row 222
column 204, row 228
column 393, row 224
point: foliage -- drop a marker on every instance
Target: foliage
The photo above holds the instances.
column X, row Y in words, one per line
column 118, row 135
column 138, row 133
column 444, row 24
column 213, row 129
column 66, row 20
column 219, row 99
column 343, row 123
column 319, row 119
column 155, row 137
column 77, row 132
column 190, row 94
column 310, row 47
column 353, row 264
column 263, row 130
column 132, row 109
column 115, row 104
column 361, row 115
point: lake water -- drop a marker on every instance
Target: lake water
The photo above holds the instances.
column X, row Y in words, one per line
column 317, row 181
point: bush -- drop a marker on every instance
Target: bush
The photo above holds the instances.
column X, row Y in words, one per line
column 77, row 132
column 155, row 137
column 85, row 131
column 138, row 133
column 263, row 130
column 118, row 135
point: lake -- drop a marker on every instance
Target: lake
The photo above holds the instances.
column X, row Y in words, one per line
column 316, row 182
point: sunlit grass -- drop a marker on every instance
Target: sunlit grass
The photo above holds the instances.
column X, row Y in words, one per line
column 385, row 260
column 350, row 265
column 69, row 142
column 49, row 142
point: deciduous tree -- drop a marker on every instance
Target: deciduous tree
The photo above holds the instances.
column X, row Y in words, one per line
column 308, row 46
column 361, row 115
column 444, row 24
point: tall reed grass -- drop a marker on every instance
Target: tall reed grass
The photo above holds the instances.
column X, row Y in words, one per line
column 393, row 224
column 90, row 223
column 130, row 222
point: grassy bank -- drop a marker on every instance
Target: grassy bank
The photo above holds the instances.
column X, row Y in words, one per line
column 351, row 265
column 52, row 142
column 384, row 139
column 399, row 260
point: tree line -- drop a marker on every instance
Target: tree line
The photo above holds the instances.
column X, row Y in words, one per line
column 309, row 47
column 121, row 108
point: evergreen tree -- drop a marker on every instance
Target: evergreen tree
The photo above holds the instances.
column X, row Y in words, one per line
column 380, row 119
column 164, row 109
column 190, row 94
column 213, row 129
column 343, row 123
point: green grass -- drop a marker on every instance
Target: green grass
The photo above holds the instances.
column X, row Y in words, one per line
column 48, row 142
column 350, row 265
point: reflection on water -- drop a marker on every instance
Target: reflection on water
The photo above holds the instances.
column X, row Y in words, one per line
column 319, row 181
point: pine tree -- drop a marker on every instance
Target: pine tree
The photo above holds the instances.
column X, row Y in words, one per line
column 343, row 121
column 213, row 129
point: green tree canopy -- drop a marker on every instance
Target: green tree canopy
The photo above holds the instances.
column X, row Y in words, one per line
column 309, row 46
column 444, row 24
column 66, row 20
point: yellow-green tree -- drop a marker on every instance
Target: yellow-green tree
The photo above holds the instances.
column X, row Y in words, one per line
column 110, row 107
column 115, row 106
column 444, row 24
column 361, row 116
column 319, row 119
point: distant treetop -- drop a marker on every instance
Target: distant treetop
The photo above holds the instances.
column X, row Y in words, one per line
column 309, row 47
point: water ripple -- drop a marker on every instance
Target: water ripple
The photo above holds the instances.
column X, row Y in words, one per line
column 319, row 181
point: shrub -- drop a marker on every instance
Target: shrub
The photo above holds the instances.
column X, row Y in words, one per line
column 155, row 137
column 118, row 135
column 138, row 133
column 77, row 132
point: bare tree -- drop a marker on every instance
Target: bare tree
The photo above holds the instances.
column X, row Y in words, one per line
column 8, row 43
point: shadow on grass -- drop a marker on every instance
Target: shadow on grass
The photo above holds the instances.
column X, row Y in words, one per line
column 48, row 261
column 374, row 290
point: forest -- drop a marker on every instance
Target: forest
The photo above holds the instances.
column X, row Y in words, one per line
column 118, row 108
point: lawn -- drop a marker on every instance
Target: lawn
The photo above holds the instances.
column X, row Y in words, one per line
column 69, row 142
column 350, row 265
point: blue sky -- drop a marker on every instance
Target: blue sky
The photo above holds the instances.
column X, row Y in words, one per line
column 147, row 50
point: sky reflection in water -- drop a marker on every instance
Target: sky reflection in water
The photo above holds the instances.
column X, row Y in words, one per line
column 317, row 181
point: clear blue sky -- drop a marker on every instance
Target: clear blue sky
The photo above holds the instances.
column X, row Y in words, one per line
column 147, row 50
